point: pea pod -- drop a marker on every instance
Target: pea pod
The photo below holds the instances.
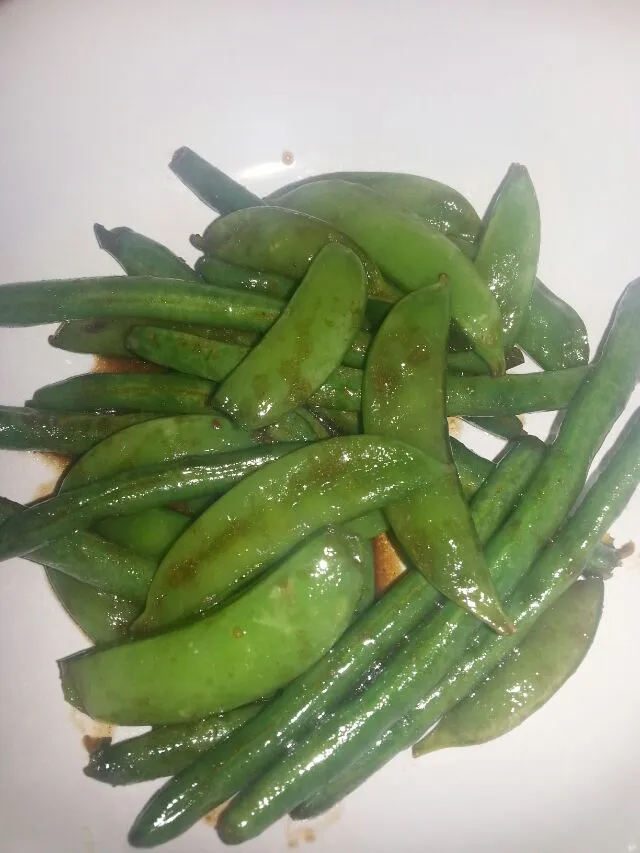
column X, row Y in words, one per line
column 529, row 676
column 150, row 533
column 469, row 362
column 140, row 255
column 213, row 187
column 410, row 253
column 221, row 772
column 101, row 616
column 109, row 337
column 303, row 346
column 503, row 426
column 362, row 554
column 245, row 651
column 508, row 249
column 432, row 648
column 552, row 332
column 281, row 241
column 164, row 750
column 70, row 433
column 154, row 442
column 216, row 271
column 129, row 492
column 438, row 204
column 93, row 561
column 324, row 483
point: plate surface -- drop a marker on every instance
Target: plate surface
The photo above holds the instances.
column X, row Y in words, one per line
column 94, row 98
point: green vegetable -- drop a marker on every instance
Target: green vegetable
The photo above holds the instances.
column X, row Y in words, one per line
column 222, row 772
column 552, row 332
column 404, row 399
column 529, row 676
column 150, row 533
column 303, row 346
column 128, row 492
column 508, row 249
column 219, row 272
column 503, row 426
column 268, row 513
column 434, row 647
column 140, row 255
column 242, row 652
column 469, row 362
column 213, row 187
column 187, row 353
column 59, row 432
column 164, row 750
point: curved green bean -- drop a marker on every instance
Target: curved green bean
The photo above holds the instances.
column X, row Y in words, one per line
column 212, row 186
column 216, row 271
column 140, row 255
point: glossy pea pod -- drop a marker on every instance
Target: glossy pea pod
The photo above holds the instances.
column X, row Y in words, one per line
column 164, row 750
column 239, row 653
column 149, row 533
column 70, row 433
column 508, row 248
column 216, row 271
column 552, row 574
column 128, row 492
column 433, row 648
column 553, row 332
column 404, row 398
column 267, row 514
column 223, row 771
column 305, row 344
column 89, row 559
column 211, row 185
column 529, row 676
column 438, row 204
column 410, row 253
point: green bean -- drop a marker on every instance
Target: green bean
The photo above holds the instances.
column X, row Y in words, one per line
column 404, row 399
column 59, row 432
column 213, row 187
column 552, row 332
column 504, row 426
column 508, row 248
column 469, row 362
column 219, row 272
column 410, row 253
column 33, row 303
column 247, row 650
column 101, row 616
column 93, row 561
column 323, row 483
column 155, row 442
column 441, row 206
column 472, row 469
column 529, row 675
column 164, row 750
column 303, row 346
column 140, row 255
column 129, row 492
column 281, row 241
column 220, row 773
column 434, row 647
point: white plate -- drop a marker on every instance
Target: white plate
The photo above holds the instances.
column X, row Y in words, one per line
column 94, row 97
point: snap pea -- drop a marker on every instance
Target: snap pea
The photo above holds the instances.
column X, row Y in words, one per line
column 264, row 516
column 150, row 533
column 470, row 362
column 161, row 393
column 101, row 616
column 440, row 205
column 552, row 332
column 504, row 426
column 529, row 675
column 128, row 492
column 33, row 303
column 368, row 526
column 410, row 253
column 70, row 433
column 221, row 772
column 212, row 186
column 216, row 271
column 242, row 652
column 406, row 366
column 303, row 346
column 483, row 396
column 434, row 647
column 508, row 248
column 109, row 337
column 92, row 560
column 337, row 421
column 164, row 750
column 154, row 442
column 140, row 255
column 300, row 425
column 362, row 553
column 472, row 469
column 281, row 241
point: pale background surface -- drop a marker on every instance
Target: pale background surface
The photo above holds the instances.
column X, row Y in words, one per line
column 94, row 97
